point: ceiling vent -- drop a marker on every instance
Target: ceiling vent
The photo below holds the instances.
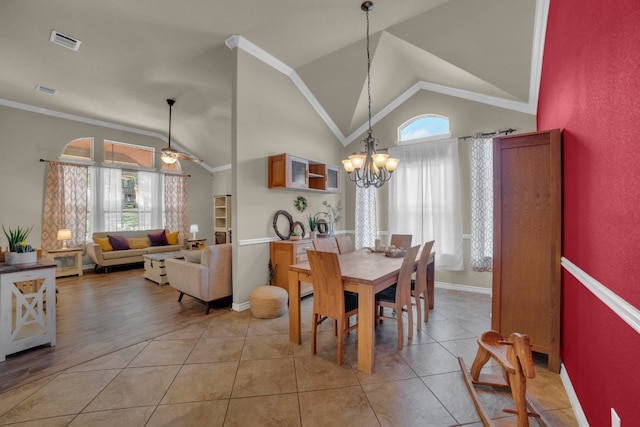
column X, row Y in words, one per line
column 46, row 90
column 64, row 40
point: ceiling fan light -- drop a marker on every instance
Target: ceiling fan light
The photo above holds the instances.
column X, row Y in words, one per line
column 357, row 160
column 167, row 159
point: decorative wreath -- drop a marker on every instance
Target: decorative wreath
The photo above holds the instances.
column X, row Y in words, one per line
column 300, row 203
column 302, row 232
column 275, row 224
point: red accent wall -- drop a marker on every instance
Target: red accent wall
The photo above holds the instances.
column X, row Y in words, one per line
column 590, row 88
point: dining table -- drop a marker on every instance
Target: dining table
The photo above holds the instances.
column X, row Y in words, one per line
column 364, row 272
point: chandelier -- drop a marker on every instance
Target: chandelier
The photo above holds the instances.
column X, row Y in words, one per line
column 369, row 168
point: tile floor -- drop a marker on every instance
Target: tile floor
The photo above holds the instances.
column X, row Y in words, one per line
column 236, row 370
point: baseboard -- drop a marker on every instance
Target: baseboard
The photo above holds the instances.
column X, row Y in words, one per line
column 573, row 398
column 463, row 288
column 240, row 307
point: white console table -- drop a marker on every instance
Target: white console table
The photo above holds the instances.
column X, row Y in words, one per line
column 27, row 306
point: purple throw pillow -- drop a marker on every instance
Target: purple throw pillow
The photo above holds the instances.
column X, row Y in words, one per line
column 119, row 243
column 158, row 239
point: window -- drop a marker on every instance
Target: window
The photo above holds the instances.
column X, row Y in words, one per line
column 423, row 128
column 127, row 194
column 119, row 153
column 78, row 149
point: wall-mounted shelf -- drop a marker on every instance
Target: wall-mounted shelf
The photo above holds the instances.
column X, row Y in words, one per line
column 297, row 173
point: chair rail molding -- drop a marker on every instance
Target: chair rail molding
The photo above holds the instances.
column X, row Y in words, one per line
column 619, row 306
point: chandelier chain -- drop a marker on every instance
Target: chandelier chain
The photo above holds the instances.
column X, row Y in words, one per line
column 368, row 74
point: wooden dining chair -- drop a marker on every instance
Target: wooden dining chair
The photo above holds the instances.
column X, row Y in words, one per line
column 401, row 240
column 324, row 245
column 419, row 284
column 399, row 298
column 329, row 298
column 344, row 244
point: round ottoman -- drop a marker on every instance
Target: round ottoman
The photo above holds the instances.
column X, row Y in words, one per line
column 268, row 302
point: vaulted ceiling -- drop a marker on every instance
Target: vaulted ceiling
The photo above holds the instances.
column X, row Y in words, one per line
column 136, row 54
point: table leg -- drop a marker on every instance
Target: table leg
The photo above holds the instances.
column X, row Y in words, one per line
column 294, row 308
column 366, row 328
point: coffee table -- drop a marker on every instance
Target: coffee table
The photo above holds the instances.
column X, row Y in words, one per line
column 154, row 266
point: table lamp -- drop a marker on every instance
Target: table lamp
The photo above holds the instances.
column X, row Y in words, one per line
column 194, row 229
column 64, row 234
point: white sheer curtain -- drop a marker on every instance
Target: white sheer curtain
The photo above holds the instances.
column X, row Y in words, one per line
column 424, row 198
column 149, row 200
column 107, row 196
column 366, row 220
column 482, row 204
column 108, row 191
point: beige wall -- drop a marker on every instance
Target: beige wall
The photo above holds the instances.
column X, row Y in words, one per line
column 466, row 117
column 26, row 137
column 270, row 117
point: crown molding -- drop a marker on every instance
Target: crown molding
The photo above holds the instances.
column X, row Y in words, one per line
column 530, row 107
column 101, row 123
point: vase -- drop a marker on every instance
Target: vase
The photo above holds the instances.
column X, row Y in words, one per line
column 312, row 234
column 13, row 258
column 331, row 232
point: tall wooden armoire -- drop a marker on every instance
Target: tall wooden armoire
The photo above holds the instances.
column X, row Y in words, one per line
column 527, row 239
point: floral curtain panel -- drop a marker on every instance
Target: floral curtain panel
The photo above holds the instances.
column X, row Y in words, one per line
column 175, row 203
column 366, row 221
column 65, row 204
column 481, row 204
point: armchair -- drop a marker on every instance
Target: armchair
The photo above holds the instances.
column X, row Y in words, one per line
column 206, row 281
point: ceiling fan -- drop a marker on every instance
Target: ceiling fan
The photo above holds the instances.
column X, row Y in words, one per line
column 170, row 155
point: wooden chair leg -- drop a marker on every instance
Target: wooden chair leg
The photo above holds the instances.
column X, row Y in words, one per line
column 340, row 335
column 314, row 329
column 426, row 306
column 418, row 311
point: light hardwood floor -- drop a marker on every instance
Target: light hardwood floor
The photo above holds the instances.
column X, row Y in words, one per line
column 98, row 314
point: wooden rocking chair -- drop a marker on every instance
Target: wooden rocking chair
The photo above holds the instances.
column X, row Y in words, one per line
column 514, row 356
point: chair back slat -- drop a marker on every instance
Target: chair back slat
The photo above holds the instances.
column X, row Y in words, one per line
column 328, row 289
column 401, row 240
column 324, row 245
column 421, row 272
column 403, row 288
column 344, row 244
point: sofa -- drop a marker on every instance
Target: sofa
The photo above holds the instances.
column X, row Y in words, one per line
column 113, row 248
column 208, row 280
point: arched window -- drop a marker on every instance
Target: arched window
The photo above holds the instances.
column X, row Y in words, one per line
column 78, row 149
column 426, row 127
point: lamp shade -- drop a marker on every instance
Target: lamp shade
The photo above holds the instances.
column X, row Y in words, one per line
column 64, row 234
column 193, row 228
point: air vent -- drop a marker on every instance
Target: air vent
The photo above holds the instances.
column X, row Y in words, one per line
column 64, row 40
column 46, row 90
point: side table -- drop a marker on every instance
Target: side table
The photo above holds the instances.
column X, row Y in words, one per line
column 195, row 243
column 64, row 267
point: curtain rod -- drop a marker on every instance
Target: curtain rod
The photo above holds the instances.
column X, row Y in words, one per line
column 132, row 170
column 484, row 135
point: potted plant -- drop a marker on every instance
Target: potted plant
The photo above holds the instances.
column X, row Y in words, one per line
column 313, row 223
column 332, row 215
column 20, row 252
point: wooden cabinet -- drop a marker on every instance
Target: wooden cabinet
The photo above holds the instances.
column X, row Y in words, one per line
column 288, row 171
column 222, row 219
column 527, row 239
column 283, row 254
